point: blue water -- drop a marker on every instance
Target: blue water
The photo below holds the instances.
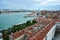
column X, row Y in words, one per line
column 7, row 20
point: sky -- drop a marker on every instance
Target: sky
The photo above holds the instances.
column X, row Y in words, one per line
column 28, row 4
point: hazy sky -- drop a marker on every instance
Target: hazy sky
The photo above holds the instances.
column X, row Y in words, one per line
column 27, row 4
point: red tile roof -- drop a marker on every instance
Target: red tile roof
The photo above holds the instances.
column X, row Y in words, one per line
column 39, row 35
column 17, row 34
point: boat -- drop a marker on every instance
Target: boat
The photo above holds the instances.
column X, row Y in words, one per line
column 30, row 15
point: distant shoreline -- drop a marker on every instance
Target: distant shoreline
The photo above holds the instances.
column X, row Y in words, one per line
column 16, row 11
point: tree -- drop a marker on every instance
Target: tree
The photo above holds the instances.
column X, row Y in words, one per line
column 28, row 23
column 34, row 21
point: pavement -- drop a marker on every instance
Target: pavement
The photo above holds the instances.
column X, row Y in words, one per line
column 57, row 36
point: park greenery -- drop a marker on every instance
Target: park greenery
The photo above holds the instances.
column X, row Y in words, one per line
column 15, row 28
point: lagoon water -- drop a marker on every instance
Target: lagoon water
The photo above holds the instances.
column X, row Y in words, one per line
column 8, row 20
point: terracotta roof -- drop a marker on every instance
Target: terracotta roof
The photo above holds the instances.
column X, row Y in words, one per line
column 58, row 20
column 36, row 36
column 17, row 34
column 41, row 34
